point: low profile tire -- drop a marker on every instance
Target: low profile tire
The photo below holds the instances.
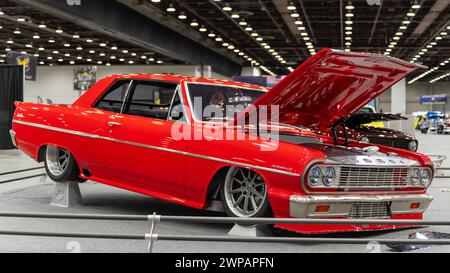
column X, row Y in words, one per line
column 60, row 165
column 244, row 194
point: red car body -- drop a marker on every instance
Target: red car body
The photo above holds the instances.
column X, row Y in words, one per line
column 141, row 155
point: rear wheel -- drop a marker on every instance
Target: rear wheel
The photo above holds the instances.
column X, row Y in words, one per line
column 60, row 165
column 244, row 194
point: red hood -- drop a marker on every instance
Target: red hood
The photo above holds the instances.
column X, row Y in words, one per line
column 333, row 85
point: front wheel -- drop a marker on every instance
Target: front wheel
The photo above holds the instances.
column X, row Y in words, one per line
column 244, row 194
column 60, row 165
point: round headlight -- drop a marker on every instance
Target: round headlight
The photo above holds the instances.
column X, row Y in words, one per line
column 314, row 176
column 413, row 146
column 329, row 176
column 365, row 139
column 425, row 177
column 415, row 177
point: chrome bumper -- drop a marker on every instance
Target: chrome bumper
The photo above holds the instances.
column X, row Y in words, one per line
column 13, row 137
column 340, row 206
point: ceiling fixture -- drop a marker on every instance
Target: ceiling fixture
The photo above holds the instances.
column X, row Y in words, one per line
column 170, row 8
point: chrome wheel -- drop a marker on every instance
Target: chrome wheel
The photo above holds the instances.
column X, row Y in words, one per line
column 57, row 160
column 245, row 192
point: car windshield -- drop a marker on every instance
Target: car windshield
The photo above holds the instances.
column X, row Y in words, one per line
column 220, row 103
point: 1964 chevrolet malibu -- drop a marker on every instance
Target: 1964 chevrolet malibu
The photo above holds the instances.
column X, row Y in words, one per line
column 121, row 133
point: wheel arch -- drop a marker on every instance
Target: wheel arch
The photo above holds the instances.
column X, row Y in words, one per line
column 219, row 177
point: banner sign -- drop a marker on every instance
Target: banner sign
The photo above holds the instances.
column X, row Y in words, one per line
column 434, row 99
column 28, row 62
column 84, row 78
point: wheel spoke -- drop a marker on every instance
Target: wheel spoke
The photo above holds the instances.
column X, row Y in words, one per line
column 259, row 195
column 246, row 204
column 255, row 206
column 237, row 180
column 236, row 190
column 239, row 201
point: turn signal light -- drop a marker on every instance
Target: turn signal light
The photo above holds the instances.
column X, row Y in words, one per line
column 322, row 209
column 415, row 206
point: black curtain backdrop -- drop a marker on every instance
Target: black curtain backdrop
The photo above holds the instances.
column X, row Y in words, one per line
column 11, row 90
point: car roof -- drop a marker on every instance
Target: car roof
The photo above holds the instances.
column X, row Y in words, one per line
column 178, row 78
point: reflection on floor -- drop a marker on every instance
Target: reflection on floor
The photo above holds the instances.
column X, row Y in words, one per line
column 34, row 196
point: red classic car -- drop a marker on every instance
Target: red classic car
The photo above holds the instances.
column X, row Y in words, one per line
column 125, row 132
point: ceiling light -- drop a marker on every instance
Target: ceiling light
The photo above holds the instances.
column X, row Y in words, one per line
column 55, row 52
column 59, row 31
column 349, row 7
column 218, row 39
column 295, row 15
column 89, row 41
column 202, row 29
column 415, row 6
column 17, row 31
column 235, row 16
column 29, row 45
column 79, row 48
column 227, row 8
column 171, row 8
column 114, row 48
column 76, row 36
column 248, row 29
column 182, row 16
column 242, row 23
column 20, row 19
column 349, row 15
column 410, row 14
column 125, row 51
column 131, row 62
column 42, row 26
column 291, row 6
column 36, row 36
column 66, row 45
column 51, row 41
column 194, row 24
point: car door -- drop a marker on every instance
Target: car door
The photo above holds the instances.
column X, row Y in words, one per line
column 96, row 151
column 151, row 159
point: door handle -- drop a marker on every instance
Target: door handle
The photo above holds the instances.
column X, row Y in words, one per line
column 114, row 124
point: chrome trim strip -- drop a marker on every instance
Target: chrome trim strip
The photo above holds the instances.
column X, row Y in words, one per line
column 127, row 95
column 13, row 137
column 77, row 133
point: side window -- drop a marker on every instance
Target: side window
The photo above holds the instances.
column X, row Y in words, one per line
column 177, row 112
column 113, row 99
column 150, row 99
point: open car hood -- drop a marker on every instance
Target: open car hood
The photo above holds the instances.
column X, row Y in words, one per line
column 363, row 118
column 332, row 85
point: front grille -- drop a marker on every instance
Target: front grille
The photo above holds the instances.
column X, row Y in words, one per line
column 370, row 210
column 357, row 178
column 396, row 143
